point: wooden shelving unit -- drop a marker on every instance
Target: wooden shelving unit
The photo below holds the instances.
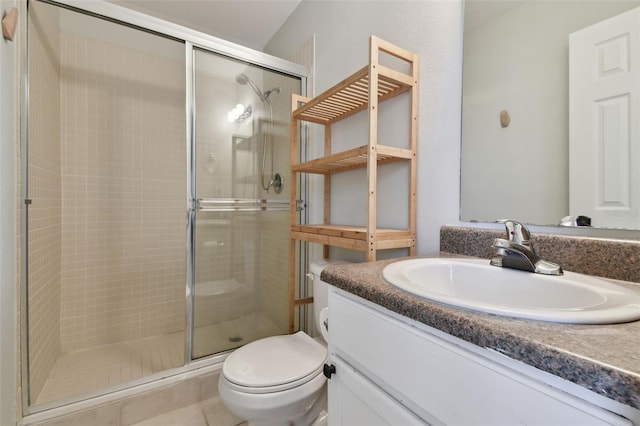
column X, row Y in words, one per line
column 363, row 90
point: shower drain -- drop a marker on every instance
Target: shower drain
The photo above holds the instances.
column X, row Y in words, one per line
column 235, row 339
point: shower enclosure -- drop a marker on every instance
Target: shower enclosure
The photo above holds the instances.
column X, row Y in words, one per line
column 154, row 221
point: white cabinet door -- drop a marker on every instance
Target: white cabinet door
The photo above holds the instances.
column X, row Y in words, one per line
column 604, row 122
column 355, row 401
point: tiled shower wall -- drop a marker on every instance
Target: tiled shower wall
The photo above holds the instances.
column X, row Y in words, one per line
column 124, row 192
column 274, row 226
column 215, row 174
column 305, row 55
column 45, row 220
column 273, row 283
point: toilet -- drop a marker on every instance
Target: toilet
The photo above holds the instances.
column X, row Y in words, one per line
column 278, row 380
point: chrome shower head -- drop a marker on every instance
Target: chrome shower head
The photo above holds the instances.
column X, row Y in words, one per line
column 243, row 79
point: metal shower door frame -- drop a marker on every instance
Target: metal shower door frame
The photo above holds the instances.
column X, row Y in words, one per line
column 192, row 39
column 195, row 204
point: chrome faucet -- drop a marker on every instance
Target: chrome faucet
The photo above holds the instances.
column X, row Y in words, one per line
column 516, row 251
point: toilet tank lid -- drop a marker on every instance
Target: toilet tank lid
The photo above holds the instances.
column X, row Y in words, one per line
column 317, row 266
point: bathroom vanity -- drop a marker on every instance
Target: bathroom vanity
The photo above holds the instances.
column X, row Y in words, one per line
column 401, row 359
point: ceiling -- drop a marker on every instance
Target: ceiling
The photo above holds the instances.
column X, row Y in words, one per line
column 250, row 23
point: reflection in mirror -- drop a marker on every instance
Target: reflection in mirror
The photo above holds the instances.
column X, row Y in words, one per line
column 541, row 140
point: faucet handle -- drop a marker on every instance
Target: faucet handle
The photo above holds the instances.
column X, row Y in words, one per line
column 517, row 232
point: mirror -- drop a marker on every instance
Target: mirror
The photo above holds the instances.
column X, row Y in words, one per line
column 517, row 122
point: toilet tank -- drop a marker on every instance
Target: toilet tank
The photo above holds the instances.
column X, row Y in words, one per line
column 320, row 292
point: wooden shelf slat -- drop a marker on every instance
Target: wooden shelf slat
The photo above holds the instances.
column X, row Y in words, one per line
column 352, row 237
column 355, row 158
column 351, row 95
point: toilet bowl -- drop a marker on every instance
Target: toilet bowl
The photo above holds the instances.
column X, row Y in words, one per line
column 278, row 380
column 274, row 381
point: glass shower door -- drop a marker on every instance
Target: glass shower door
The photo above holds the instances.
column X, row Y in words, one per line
column 105, row 182
column 241, row 221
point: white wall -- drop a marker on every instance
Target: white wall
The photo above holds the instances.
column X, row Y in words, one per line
column 9, row 90
column 432, row 29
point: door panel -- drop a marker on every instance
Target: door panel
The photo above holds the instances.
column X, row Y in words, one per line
column 241, row 222
column 604, row 133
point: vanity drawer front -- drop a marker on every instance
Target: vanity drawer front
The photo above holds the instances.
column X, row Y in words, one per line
column 442, row 382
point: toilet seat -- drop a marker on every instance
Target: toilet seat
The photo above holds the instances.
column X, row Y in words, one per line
column 274, row 364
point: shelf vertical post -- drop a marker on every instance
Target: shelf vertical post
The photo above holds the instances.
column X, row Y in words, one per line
column 372, row 156
column 327, row 186
column 413, row 146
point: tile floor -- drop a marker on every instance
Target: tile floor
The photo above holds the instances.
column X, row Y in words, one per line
column 210, row 412
column 87, row 370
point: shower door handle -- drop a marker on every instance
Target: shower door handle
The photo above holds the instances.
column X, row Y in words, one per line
column 240, row 204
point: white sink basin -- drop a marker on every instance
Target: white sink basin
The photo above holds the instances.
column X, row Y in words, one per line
column 474, row 284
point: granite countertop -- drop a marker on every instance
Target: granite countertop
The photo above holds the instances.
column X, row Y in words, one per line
column 602, row 358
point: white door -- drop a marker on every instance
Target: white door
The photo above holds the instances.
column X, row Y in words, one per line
column 604, row 147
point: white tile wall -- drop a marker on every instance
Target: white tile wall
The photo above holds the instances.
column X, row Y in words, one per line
column 274, row 267
column 124, row 185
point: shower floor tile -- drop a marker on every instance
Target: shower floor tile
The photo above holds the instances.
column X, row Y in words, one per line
column 232, row 334
column 89, row 370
